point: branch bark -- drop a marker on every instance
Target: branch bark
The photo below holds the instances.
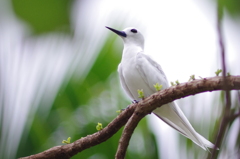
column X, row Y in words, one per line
column 127, row 134
column 140, row 109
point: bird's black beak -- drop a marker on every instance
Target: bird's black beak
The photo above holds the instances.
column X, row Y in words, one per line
column 121, row 33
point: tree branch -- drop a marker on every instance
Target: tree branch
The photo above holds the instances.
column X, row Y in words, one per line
column 142, row 108
column 233, row 117
column 127, row 133
column 226, row 112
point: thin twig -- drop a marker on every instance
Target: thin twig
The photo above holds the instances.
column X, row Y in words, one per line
column 226, row 111
column 234, row 116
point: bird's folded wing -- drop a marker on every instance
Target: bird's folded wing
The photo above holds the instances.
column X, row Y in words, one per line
column 150, row 71
column 123, row 83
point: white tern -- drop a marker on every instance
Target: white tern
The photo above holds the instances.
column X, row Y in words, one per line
column 138, row 71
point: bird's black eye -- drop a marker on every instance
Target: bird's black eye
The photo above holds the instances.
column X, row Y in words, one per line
column 134, row 30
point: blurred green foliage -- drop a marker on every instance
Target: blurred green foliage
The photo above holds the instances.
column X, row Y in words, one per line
column 232, row 6
column 44, row 15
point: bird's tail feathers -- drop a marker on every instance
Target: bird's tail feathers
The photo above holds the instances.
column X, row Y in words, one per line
column 207, row 144
column 174, row 117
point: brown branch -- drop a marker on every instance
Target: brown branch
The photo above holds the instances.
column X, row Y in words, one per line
column 144, row 107
column 233, row 117
column 69, row 150
column 127, row 133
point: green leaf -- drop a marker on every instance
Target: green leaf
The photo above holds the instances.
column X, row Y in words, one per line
column 99, row 126
column 192, row 77
column 140, row 93
column 157, row 86
column 68, row 141
column 118, row 111
column 173, row 84
column 177, row 82
column 218, row 72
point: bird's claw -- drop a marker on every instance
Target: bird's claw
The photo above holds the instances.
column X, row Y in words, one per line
column 134, row 101
column 125, row 108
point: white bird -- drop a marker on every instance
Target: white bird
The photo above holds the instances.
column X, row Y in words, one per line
column 138, row 71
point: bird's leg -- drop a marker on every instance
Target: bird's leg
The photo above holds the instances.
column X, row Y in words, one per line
column 133, row 102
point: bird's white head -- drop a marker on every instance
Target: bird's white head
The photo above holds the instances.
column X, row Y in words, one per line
column 131, row 36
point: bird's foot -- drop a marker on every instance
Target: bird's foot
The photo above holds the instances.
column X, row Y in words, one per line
column 134, row 101
column 125, row 108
